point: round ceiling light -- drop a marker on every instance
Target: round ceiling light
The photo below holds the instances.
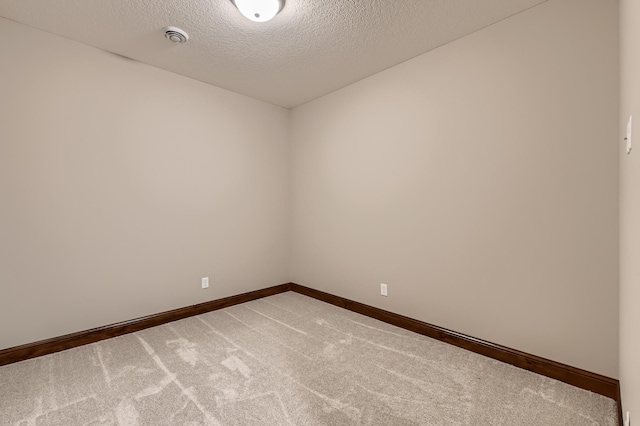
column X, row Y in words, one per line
column 259, row 10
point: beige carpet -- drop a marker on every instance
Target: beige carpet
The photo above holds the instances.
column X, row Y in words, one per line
column 285, row 360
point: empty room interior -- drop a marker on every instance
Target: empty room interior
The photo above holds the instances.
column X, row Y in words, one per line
column 357, row 212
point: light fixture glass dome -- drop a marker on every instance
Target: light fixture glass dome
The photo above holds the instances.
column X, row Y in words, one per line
column 259, row 10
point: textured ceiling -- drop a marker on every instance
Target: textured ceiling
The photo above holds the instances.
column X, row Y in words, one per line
column 310, row 49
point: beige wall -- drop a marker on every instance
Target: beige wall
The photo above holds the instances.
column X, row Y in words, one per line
column 121, row 185
column 630, row 210
column 480, row 182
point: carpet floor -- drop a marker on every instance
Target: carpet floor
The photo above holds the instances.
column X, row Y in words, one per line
column 285, row 360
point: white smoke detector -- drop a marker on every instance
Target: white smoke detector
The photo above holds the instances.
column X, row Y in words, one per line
column 176, row 35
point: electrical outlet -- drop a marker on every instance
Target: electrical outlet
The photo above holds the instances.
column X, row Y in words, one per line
column 383, row 289
column 205, row 282
column 628, row 138
column 627, row 420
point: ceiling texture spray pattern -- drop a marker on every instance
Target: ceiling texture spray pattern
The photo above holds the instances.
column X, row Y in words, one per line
column 311, row 48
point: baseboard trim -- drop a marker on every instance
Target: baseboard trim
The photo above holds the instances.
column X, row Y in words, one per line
column 619, row 401
column 57, row 344
column 593, row 382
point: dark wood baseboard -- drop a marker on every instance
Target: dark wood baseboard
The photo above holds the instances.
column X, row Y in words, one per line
column 565, row 373
column 57, row 344
column 619, row 401
column 571, row 375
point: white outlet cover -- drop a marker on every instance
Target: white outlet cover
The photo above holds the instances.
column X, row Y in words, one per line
column 205, row 282
column 628, row 138
column 383, row 289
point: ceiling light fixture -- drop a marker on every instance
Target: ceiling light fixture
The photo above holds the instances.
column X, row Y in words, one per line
column 259, row 10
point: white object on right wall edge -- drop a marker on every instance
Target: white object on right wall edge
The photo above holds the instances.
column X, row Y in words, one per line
column 628, row 138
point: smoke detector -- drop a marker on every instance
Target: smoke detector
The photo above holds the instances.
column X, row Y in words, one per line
column 175, row 35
